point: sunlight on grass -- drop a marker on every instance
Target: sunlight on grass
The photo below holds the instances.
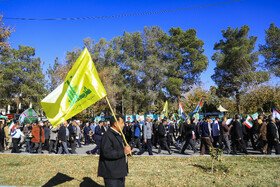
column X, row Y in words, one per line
column 143, row 171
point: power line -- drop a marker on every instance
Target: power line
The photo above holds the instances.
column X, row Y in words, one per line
column 124, row 15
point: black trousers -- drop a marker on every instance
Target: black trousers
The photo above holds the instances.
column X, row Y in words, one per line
column 217, row 139
column 53, row 145
column 114, row 182
column 163, row 144
column 148, row 146
column 155, row 139
column 97, row 148
column 46, row 144
column 136, row 142
column 187, row 142
column 2, row 145
column 240, row 144
column 272, row 144
column 73, row 146
column 15, row 142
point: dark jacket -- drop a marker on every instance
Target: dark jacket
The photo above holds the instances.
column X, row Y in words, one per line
column 188, row 131
column 237, row 130
column 112, row 160
column 47, row 132
column 86, row 130
column 161, row 130
column 204, row 129
column 62, row 134
column 2, row 134
column 72, row 132
column 98, row 133
column 271, row 132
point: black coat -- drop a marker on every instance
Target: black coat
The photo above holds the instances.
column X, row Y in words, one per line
column 62, row 134
column 188, row 131
column 271, row 133
column 237, row 130
column 72, row 133
column 112, row 160
column 2, row 134
column 161, row 130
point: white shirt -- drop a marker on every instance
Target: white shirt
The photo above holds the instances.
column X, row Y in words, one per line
column 17, row 133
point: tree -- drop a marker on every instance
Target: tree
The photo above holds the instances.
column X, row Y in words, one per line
column 271, row 50
column 236, row 63
column 23, row 80
column 186, row 60
column 5, row 32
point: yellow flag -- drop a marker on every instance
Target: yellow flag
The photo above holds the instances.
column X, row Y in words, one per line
column 81, row 88
column 165, row 109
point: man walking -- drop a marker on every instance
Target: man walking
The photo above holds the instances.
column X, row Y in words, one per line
column 72, row 136
column 98, row 136
column 53, row 139
column 113, row 165
column 16, row 135
column 147, row 132
column 38, row 137
column 162, row 137
column 237, row 136
column 225, row 129
column 78, row 134
column 205, row 132
column 62, row 139
column 272, row 136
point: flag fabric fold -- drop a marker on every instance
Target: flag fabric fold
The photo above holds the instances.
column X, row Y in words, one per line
column 165, row 109
column 199, row 106
column 182, row 116
column 12, row 127
column 255, row 116
column 81, row 88
column 276, row 113
column 249, row 122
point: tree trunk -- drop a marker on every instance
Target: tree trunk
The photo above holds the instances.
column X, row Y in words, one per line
column 238, row 101
column 133, row 108
column 17, row 103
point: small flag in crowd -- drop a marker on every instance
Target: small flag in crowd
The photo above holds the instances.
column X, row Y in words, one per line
column 255, row 116
column 22, row 117
column 199, row 106
column 3, row 117
column 276, row 113
column 182, row 116
column 249, row 122
column 81, row 88
column 12, row 126
column 165, row 109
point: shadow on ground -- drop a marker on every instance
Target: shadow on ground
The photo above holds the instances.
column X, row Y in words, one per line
column 61, row 178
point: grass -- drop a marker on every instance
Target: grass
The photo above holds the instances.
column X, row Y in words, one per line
column 37, row 170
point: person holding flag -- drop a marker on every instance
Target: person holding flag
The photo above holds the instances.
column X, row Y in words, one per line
column 113, row 166
column 82, row 88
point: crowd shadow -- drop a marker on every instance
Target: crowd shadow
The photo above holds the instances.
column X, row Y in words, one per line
column 61, row 178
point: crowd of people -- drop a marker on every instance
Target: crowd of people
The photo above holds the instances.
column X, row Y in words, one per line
column 162, row 134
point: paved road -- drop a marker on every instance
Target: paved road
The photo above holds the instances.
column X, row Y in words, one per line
column 85, row 149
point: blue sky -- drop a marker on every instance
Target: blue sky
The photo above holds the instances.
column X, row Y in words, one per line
column 53, row 39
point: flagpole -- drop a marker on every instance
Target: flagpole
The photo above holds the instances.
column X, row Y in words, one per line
column 116, row 121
